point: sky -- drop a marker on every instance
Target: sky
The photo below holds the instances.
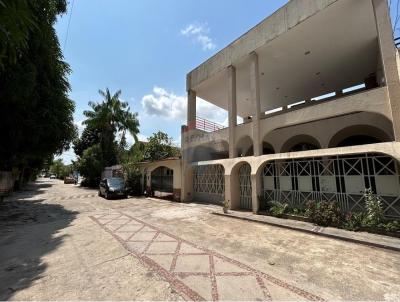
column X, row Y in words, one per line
column 146, row 48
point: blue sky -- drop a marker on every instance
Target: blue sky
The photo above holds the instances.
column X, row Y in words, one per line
column 146, row 48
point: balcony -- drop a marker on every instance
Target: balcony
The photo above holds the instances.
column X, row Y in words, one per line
column 207, row 126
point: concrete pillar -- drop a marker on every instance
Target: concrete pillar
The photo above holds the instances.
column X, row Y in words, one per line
column 388, row 53
column 256, row 188
column 255, row 101
column 228, row 192
column 232, row 110
column 191, row 109
column 232, row 191
column 187, row 171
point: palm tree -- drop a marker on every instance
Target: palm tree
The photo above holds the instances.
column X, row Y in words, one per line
column 110, row 117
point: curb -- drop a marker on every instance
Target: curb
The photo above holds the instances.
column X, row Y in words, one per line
column 319, row 233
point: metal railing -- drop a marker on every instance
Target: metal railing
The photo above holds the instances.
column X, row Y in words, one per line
column 397, row 42
column 207, row 126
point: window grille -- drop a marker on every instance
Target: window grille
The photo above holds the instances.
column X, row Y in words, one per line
column 334, row 178
column 245, row 187
column 209, row 181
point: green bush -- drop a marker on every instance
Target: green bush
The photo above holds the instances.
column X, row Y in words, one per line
column 297, row 211
column 390, row 226
column 354, row 221
column 324, row 213
column 277, row 208
column 374, row 210
column 133, row 182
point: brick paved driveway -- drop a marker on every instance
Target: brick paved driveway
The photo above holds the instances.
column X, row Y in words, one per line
column 196, row 272
column 66, row 243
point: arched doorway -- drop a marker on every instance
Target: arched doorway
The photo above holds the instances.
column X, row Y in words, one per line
column 245, row 193
column 162, row 180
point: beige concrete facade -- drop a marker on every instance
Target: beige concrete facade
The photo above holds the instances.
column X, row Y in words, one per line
column 317, row 79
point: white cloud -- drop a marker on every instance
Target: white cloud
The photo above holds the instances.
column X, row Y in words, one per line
column 164, row 104
column 199, row 33
column 130, row 140
column 168, row 105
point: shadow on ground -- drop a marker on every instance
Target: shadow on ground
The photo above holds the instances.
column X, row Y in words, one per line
column 28, row 231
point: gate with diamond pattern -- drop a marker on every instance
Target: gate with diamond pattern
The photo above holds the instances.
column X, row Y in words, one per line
column 245, row 201
column 209, row 183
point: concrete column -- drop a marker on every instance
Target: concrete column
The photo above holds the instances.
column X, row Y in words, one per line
column 255, row 192
column 228, row 192
column 232, row 110
column 389, row 58
column 187, row 171
column 232, row 191
column 191, row 109
column 255, row 101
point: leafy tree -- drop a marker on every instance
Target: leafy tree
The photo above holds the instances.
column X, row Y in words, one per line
column 60, row 169
column 36, row 115
column 16, row 18
column 57, row 168
column 90, row 165
column 110, row 117
column 159, row 147
column 90, row 137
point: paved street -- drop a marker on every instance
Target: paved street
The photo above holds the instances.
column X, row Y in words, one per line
column 63, row 242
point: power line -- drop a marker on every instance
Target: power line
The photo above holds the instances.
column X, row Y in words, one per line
column 69, row 22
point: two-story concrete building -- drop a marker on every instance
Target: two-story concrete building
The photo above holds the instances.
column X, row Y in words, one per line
column 317, row 87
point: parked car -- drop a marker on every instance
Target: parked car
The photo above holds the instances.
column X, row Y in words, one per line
column 69, row 180
column 53, row 176
column 113, row 187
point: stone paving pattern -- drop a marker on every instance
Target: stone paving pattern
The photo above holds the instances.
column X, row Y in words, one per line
column 196, row 272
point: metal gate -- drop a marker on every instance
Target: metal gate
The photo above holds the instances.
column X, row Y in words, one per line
column 335, row 178
column 209, row 183
column 245, row 187
column 162, row 180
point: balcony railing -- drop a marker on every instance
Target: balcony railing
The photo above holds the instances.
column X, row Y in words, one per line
column 207, row 126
